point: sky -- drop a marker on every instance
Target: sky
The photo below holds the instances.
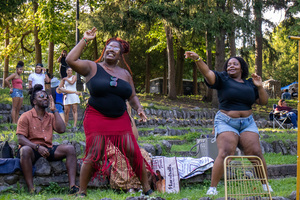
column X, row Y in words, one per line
column 274, row 16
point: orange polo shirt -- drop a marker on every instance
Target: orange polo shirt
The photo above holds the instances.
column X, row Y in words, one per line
column 36, row 130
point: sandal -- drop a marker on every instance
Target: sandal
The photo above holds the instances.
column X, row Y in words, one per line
column 73, row 190
column 80, row 195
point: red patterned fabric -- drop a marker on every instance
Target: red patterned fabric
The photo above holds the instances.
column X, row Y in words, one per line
column 101, row 132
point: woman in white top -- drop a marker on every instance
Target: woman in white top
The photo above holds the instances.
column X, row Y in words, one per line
column 39, row 77
column 70, row 100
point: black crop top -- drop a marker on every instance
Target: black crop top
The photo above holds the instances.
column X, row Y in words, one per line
column 108, row 100
column 234, row 95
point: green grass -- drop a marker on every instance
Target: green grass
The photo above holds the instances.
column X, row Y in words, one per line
column 278, row 159
column 281, row 187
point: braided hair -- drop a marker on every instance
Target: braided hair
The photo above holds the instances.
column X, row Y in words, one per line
column 125, row 48
column 33, row 91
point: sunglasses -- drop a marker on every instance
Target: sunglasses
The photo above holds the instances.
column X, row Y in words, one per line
column 113, row 82
column 112, row 48
column 42, row 96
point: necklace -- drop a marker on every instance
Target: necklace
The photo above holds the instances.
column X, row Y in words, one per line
column 108, row 68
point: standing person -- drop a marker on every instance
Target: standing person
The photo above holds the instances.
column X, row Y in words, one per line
column 234, row 124
column 106, row 120
column 38, row 77
column 71, row 99
column 16, row 91
column 286, row 94
column 35, row 131
column 63, row 64
column 282, row 106
column 58, row 95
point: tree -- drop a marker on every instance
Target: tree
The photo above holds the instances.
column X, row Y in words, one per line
column 8, row 8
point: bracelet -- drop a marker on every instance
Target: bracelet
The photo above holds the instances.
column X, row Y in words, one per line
column 86, row 42
column 198, row 59
column 54, row 111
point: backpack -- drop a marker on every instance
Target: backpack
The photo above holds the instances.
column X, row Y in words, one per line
column 5, row 150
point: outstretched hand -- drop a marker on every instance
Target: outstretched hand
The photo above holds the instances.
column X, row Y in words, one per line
column 90, row 34
column 257, row 81
column 142, row 115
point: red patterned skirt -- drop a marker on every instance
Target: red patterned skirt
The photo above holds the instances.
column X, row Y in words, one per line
column 102, row 132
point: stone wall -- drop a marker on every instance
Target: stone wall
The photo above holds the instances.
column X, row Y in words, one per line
column 203, row 117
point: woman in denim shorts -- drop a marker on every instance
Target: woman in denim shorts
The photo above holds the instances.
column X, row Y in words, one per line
column 16, row 91
column 234, row 125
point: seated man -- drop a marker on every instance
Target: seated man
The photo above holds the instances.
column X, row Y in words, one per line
column 282, row 106
column 35, row 131
column 294, row 93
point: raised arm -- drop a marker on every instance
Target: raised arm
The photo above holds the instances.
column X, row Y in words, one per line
column 59, row 59
column 60, row 126
column 262, row 93
column 203, row 68
column 82, row 67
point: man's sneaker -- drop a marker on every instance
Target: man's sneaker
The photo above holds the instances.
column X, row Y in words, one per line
column 212, row 191
column 74, row 189
column 266, row 189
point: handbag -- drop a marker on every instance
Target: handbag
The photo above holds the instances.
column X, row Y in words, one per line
column 5, row 150
column 206, row 147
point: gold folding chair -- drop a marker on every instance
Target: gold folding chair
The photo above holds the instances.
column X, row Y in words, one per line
column 244, row 176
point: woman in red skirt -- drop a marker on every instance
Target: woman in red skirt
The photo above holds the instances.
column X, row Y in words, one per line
column 106, row 120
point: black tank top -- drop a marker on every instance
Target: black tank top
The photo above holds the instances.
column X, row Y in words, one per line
column 107, row 99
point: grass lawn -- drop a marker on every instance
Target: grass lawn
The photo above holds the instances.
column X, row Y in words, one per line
column 282, row 187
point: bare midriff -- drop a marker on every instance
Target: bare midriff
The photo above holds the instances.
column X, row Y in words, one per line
column 237, row 113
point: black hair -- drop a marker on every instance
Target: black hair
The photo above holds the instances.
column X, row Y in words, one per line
column 244, row 66
column 20, row 64
column 40, row 64
column 286, row 90
column 37, row 88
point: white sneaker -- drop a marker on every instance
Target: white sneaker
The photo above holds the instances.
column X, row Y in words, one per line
column 266, row 189
column 212, row 191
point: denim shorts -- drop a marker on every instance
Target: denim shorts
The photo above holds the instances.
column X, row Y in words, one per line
column 237, row 125
column 17, row 93
column 59, row 107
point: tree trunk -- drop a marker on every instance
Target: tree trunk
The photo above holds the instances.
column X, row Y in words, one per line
column 6, row 59
column 165, row 78
column 147, row 75
column 258, row 37
column 179, row 70
column 231, row 35
column 171, row 63
column 232, row 44
column 50, row 57
column 38, row 48
column 209, row 92
column 220, row 58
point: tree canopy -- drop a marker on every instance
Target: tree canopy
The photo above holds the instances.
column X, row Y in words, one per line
column 193, row 24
